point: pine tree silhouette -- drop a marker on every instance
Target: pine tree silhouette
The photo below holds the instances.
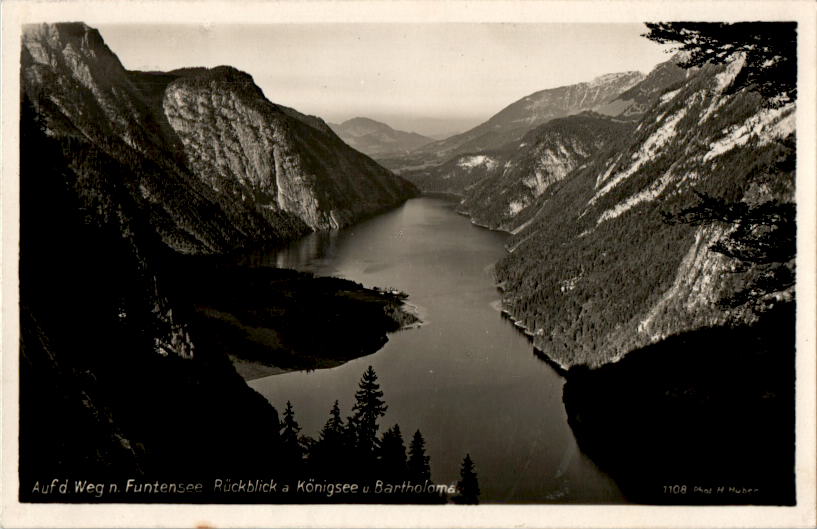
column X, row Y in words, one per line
column 332, row 431
column 393, row 455
column 419, row 469
column 369, row 407
column 291, row 448
column 329, row 455
column 468, row 486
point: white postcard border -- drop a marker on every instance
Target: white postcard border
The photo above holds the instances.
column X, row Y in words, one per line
column 14, row 514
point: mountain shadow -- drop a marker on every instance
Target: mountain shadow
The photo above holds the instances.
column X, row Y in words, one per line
column 703, row 417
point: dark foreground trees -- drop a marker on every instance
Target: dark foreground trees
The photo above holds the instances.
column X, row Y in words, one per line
column 393, row 455
column 468, row 486
column 351, row 452
column 363, row 426
column 291, row 449
column 418, row 463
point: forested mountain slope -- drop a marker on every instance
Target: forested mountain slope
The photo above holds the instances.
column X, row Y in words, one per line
column 661, row 272
column 597, row 270
column 545, row 156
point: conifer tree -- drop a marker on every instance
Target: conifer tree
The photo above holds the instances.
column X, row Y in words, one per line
column 393, row 455
column 468, row 486
column 369, row 407
column 333, row 429
column 329, row 453
column 419, row 469
column 290, row 442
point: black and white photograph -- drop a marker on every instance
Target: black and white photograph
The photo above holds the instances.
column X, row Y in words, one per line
column 432, row 262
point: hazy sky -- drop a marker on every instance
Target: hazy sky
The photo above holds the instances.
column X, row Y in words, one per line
column 432, row 78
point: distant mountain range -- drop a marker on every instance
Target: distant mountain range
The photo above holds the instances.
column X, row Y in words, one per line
column 378, row 139
column 620, row 98
column 513, row 121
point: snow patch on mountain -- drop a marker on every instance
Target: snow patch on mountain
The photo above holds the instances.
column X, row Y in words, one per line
column 611, row 77
column 469, row 162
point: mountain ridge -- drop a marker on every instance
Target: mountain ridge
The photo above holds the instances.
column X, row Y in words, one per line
column 376, row 138
column 514, row 120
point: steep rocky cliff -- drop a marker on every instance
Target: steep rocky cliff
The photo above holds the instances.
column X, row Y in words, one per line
column 250, row 150
column 81, row 94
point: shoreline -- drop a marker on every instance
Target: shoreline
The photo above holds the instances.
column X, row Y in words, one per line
column 249, row 370
column 557, row 366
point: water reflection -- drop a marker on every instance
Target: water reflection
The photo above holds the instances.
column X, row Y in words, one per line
column 310, row 253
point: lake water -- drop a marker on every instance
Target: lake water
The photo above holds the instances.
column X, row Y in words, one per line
column 467, row 378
